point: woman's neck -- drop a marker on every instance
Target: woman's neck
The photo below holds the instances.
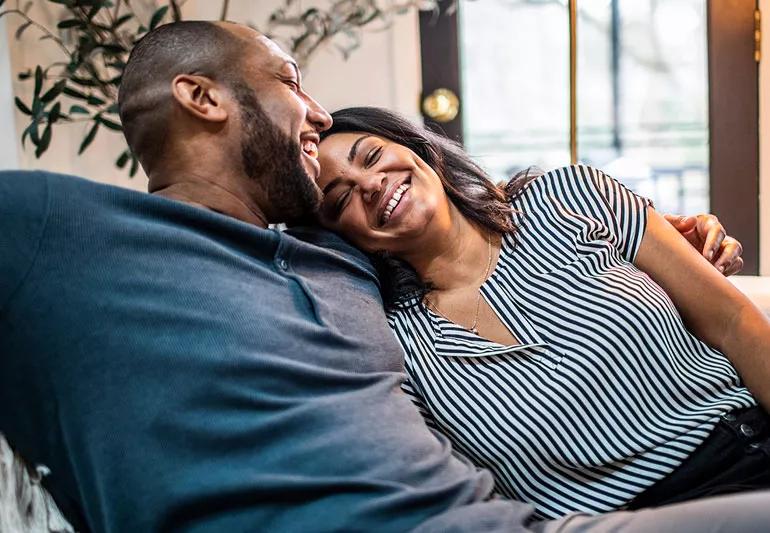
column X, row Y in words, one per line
column 458, row 257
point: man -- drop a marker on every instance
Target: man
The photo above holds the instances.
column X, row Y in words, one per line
column 178, row 366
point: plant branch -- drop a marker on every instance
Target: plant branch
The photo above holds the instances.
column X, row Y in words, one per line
column 225, row 9
column 116, row 11
column 176, row 12
column 40, row 27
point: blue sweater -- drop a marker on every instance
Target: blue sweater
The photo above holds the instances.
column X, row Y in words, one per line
column 177, row 369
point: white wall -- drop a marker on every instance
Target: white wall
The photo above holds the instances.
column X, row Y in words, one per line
column 97, row 162
column 385, row 72
column 8, row 146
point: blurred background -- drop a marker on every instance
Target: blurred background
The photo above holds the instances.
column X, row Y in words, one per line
column 668, row 96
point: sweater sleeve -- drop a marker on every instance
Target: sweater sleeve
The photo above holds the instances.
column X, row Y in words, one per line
column 23, row 216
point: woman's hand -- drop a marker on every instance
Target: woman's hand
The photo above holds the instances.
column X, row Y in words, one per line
column 707, row 235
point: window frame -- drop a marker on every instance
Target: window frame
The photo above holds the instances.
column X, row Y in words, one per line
column 733, row 77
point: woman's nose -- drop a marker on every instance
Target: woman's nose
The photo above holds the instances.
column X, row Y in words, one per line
column 373, row 186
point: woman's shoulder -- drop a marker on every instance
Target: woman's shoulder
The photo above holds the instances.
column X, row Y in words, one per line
column 570, row 184
column 571, row 174
column 404, row 311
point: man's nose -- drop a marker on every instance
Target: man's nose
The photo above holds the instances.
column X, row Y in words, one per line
column 318, row 116
column 372, row 186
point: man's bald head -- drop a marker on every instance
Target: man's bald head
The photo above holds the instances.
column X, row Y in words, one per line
column 145, row 99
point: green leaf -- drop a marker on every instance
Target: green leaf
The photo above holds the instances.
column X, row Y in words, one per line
column 85, row 82
column 113, row 49
column 22, row 106
column 94, row 100
column 158, row 16
column 45, row 141
column 54, row 114
column 33, row 133
column 134, row 167
column 74, row 93
column 27, row 74
column 122, row 20
column 111, row 124
column 27, row 133
column 123, row 159
column 79, row 110
column 21, row 29
column 70, row 23
column 54, row 91
column 89, row 138
column 114, row 109
column 38, row 80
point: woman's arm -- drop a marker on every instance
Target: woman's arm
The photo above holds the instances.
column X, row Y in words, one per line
column 708, row 236
column 711, row 306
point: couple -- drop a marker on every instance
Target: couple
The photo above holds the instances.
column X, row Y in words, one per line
column 177, row 366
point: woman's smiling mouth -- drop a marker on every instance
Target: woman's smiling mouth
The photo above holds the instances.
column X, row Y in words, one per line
column 393, row 202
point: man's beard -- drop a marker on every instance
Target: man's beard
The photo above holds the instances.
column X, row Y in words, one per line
column 274, row 162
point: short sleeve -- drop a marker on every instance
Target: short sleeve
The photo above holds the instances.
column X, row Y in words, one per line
column 23, row 214
column 592, row 193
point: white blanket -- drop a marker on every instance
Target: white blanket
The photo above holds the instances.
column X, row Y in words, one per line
column 25, row 506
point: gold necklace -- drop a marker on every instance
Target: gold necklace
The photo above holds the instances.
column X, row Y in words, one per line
column 474, row 327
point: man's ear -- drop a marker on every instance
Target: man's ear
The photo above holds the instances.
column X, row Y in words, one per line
column 200, row 96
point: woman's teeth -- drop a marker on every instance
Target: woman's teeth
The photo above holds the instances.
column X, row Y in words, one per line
column 310, row 148
column 394, row 200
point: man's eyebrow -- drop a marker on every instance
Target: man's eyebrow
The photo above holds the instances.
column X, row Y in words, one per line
column 332, row 184
column 354, row 148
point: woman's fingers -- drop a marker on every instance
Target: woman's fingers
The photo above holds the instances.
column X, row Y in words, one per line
column 735, row 267
column 713, row 234
column 729, row 260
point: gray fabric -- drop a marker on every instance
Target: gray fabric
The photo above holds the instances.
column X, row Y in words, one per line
column 25, row 506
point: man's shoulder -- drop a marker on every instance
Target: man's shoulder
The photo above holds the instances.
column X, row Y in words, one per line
column 19, row 189
column 19, row 185
column 330, row 241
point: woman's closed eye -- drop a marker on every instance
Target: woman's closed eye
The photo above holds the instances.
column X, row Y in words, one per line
column 337, row 201
column 372, row 156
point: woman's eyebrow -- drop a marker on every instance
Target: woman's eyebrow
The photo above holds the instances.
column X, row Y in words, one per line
column 354, row 148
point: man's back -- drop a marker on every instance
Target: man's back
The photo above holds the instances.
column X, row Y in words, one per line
column 174, row 367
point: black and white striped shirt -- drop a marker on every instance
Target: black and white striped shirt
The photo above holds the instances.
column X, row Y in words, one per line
column 607, row 393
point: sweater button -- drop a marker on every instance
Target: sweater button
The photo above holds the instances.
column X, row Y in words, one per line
column 283, row 264
column 747, row 430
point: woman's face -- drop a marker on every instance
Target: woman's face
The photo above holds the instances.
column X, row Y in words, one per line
column 378, row 194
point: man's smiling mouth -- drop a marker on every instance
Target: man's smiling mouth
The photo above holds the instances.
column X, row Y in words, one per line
column 310, row 148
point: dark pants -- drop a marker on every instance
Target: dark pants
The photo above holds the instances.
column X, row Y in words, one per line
column 734, row 458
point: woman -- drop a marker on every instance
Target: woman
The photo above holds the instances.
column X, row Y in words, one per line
column 543, row 325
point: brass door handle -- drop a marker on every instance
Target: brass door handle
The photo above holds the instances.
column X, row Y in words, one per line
column 442, row 105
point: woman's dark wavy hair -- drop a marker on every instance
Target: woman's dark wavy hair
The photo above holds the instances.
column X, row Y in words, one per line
column 469, row 188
